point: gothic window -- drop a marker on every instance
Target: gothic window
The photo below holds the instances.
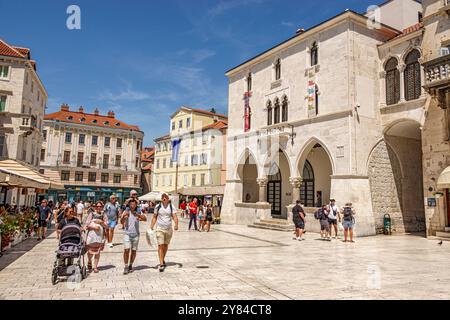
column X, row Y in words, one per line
column 392, row 82
column 276, row 111
column 412, row 76
column 278, row 69
column 314, row 54
column 249, row 82
column 284, row 110
column 269, row 113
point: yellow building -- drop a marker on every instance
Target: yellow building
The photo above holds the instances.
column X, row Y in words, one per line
column 201, row 164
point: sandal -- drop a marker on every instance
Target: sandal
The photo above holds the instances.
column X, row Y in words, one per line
column 89, row 266
column 95, row 270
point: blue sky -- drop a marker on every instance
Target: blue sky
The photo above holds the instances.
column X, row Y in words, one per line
column 144, row 59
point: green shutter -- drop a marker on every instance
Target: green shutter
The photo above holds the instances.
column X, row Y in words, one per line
column 2, row 103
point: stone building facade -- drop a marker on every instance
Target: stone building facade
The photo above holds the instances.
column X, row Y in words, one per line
column 23, row 99
column 334, row 112
column 147, row 162
column 92, row 155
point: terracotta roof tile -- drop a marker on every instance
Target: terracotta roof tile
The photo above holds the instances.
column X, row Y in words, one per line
column 10, row 51
column 147, row 154
column 410, row 29
column 90, row 120
column 216, row 125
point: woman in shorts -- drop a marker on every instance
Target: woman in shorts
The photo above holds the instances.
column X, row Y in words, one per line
column 208, row 217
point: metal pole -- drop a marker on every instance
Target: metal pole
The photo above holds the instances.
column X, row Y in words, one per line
column 176, row 178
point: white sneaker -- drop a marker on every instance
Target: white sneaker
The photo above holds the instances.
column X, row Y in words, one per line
column 110, row 245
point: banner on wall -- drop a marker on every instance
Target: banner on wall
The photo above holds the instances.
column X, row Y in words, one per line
column 247, row 112
column 311, row 98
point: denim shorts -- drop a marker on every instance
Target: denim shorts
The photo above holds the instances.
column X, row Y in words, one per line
column 130, row 242
column 347, row 224
column 112, row 224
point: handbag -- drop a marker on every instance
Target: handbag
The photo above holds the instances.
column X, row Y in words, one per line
column 150, row 235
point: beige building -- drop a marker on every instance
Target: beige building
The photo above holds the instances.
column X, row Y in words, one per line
column 23, row 100
column 92, row 155
column 201, row 165
column 436, row 124
column 336, row 111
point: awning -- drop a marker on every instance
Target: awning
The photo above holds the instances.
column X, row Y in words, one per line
column 202, row 191
column 15, row 174
column 444, row 179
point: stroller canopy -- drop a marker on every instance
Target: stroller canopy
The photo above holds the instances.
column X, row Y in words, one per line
column 71, row 233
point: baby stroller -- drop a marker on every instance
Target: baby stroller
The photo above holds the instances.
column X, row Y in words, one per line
column 70, row 254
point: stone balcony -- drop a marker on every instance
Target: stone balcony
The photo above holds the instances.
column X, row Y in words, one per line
column 437, row 79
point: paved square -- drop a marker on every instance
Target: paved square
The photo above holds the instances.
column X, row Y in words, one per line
column 243, row 263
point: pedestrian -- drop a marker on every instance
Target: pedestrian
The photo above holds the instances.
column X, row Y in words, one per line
column 324, row 224
column 164, row 214
column 96, row 225
column 60, row 215
column 43, row 216
column 318, row 199
column 209, row 217
column 133, row 195
column 193, row 213
column 298, row 217
column 333, row 217
column 201, row 217
column 80, row 210
column 130, row 220
column 183, row 207
column 70, row 217
column 113, row 212
column 348, row 223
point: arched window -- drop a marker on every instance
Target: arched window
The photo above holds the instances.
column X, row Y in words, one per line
column 392, row 82
column 249, row 82
column 276, row 111
column 307, row 187
column 412, row 76
column 278, row 69
column 314, row 54
column 316, row 99
column 284, row 110
column 269, row 113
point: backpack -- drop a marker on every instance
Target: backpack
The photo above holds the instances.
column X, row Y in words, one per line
column 318, row 214
column 348, row 214
column 159, row 207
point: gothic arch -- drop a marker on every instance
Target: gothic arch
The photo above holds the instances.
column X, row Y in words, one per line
column 306, row 149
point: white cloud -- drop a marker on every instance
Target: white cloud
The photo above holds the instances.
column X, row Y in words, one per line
column 287, row 24
column 123, row 95
column 224, row 6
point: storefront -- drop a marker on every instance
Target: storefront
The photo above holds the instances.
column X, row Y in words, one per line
column 76, row 193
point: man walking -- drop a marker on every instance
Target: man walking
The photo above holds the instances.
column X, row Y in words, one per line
column 44, row 213
column 113, row 212
column 333, row 217
column 349, row 220
column 162, row 218
column 298, row 216
column 193, row 208
column 130, row 220
column 80, row 210
column 324, row 224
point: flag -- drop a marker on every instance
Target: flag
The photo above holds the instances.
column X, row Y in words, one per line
column 175, row 149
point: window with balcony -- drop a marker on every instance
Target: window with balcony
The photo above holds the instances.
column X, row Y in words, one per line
column 95, row 140
column 79, row 176
column 105, row 177
column 80, row 157
column 118, row 160
column 65, row 175
column 2, row 103
column 92, row 177
column 81, row 139
column 68, row 137
column 105, row 161
column 42, row 155
column 107, row 142
column 412, row 76
column 66, row 157
column 93, row 161
column 4, row 72
column 119, row 143
column 117, row 178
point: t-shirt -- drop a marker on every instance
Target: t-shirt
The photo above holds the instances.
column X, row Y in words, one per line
column 324, row 216
column 333, row 212
column 296, row 213
column 112, row 211
column 183, row 206
column 80, row 208
column 44, row 212
column 66, row 222
column 193, row 208
column 132, row 225
column 164, row 220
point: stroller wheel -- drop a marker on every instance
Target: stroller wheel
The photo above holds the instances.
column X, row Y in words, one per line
column 54, row 277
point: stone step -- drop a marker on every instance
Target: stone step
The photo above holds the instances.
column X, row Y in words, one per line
column 275, row 221
column 281, row 226
column 438, row 239
column 270, row 227
column 447, row 229
column 443, row 235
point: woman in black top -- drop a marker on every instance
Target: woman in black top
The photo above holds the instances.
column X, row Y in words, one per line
column 209, row 217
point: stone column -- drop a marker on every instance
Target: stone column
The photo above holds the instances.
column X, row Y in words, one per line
column 401, row 69
column 383, row 89
column 296, row 183
column 262, row 183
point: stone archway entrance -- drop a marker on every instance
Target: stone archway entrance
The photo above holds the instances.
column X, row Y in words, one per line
column 248, row 173
column 274, row 189
column 307, row 192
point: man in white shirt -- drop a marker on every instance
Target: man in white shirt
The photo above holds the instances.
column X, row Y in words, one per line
column 80, row 209
column 164, row 213
column 333, row 217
